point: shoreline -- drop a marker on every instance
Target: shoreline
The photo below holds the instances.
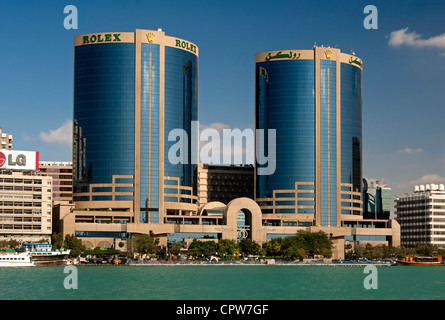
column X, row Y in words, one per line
column 263, row 263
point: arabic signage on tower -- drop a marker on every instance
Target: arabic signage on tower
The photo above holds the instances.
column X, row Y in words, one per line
column 280, row 55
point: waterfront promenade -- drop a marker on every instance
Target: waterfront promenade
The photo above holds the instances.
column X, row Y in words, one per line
column 270, row 262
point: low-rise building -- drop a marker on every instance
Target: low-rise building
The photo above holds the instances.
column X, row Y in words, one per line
column 25, row 206
column 421, row 216
column 62, row 174
column 5, row 140
column 224, row 183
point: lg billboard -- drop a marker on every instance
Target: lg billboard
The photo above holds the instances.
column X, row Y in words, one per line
column 19, row 160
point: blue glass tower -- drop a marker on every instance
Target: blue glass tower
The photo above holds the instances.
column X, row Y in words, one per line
column 130, row 90
column 312, row 98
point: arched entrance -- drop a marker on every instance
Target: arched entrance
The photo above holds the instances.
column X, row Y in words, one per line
column 252, row 224
column 243, row 226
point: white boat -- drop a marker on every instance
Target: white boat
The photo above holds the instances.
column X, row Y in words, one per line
column 22, row 259
column 43, row 249
column 42, row 254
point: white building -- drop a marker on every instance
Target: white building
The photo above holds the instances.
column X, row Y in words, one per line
column 25, row 198
column 5, row 140
column 421, row 216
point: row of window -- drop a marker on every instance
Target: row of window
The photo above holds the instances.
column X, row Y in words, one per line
column 18, row 181
column 21, row 227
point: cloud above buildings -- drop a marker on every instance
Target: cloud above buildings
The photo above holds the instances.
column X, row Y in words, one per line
column 423, row 180
column 428, row 179
column 218, row 126
column 409, row 150
column 238, row 148
column 61, row 135
column 403, row 37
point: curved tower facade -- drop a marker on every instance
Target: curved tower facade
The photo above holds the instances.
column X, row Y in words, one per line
column 313, row 99
column 130, row 90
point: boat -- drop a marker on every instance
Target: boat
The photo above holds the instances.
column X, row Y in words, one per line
column 16, row 259
column 420, row 261
column 43, row 254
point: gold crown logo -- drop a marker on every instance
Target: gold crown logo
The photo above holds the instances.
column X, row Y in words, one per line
column 328, row 54
column 150, row 37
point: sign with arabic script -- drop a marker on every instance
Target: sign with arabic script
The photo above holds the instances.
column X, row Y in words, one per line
column 281, row 55
column 355, row 61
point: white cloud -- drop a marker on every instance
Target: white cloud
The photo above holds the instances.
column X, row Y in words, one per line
column 27, row 138
column 238, row 148
column 218, row 126
column 409, row 150
column 428, row 179
column 425, row 179
column 413, row 39
column 61, row 135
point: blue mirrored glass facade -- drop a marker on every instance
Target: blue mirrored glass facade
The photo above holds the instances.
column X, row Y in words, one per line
column 181, row 108
column 286, row 103
column 150, row 77
column 108, row 124
column 328, row 140
column 104, row 84
column 286, row 100
column 351, row 125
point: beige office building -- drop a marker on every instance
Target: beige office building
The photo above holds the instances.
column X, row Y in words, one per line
column 224, row 183
column 62, row 174
column 25, row 206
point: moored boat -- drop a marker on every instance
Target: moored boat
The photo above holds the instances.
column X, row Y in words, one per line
column 42, row 254
column 22, row 259
column 420, row 261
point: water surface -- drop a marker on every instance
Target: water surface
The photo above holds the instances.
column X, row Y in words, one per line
column 222, row 283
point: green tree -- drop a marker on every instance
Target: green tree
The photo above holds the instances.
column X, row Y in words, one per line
column 324, row 245
column 273, row 247
column 144, row 244
column 316, row 243
column 228, row 249
column 57, row 240
column 98, row 252
column 424, row 249
column 74, row 244
column 8, row 244
column 202, row 248
column 175, row 248
column 303, row 244
column 371, row 252
column 294, row 252
column 248, row 246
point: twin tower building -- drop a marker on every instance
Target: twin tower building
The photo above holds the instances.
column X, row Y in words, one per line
column 131, row 89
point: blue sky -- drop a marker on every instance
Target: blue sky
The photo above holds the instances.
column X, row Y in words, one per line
column 403, row 75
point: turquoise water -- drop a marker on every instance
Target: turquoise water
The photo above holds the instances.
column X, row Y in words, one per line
column 222, row 283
